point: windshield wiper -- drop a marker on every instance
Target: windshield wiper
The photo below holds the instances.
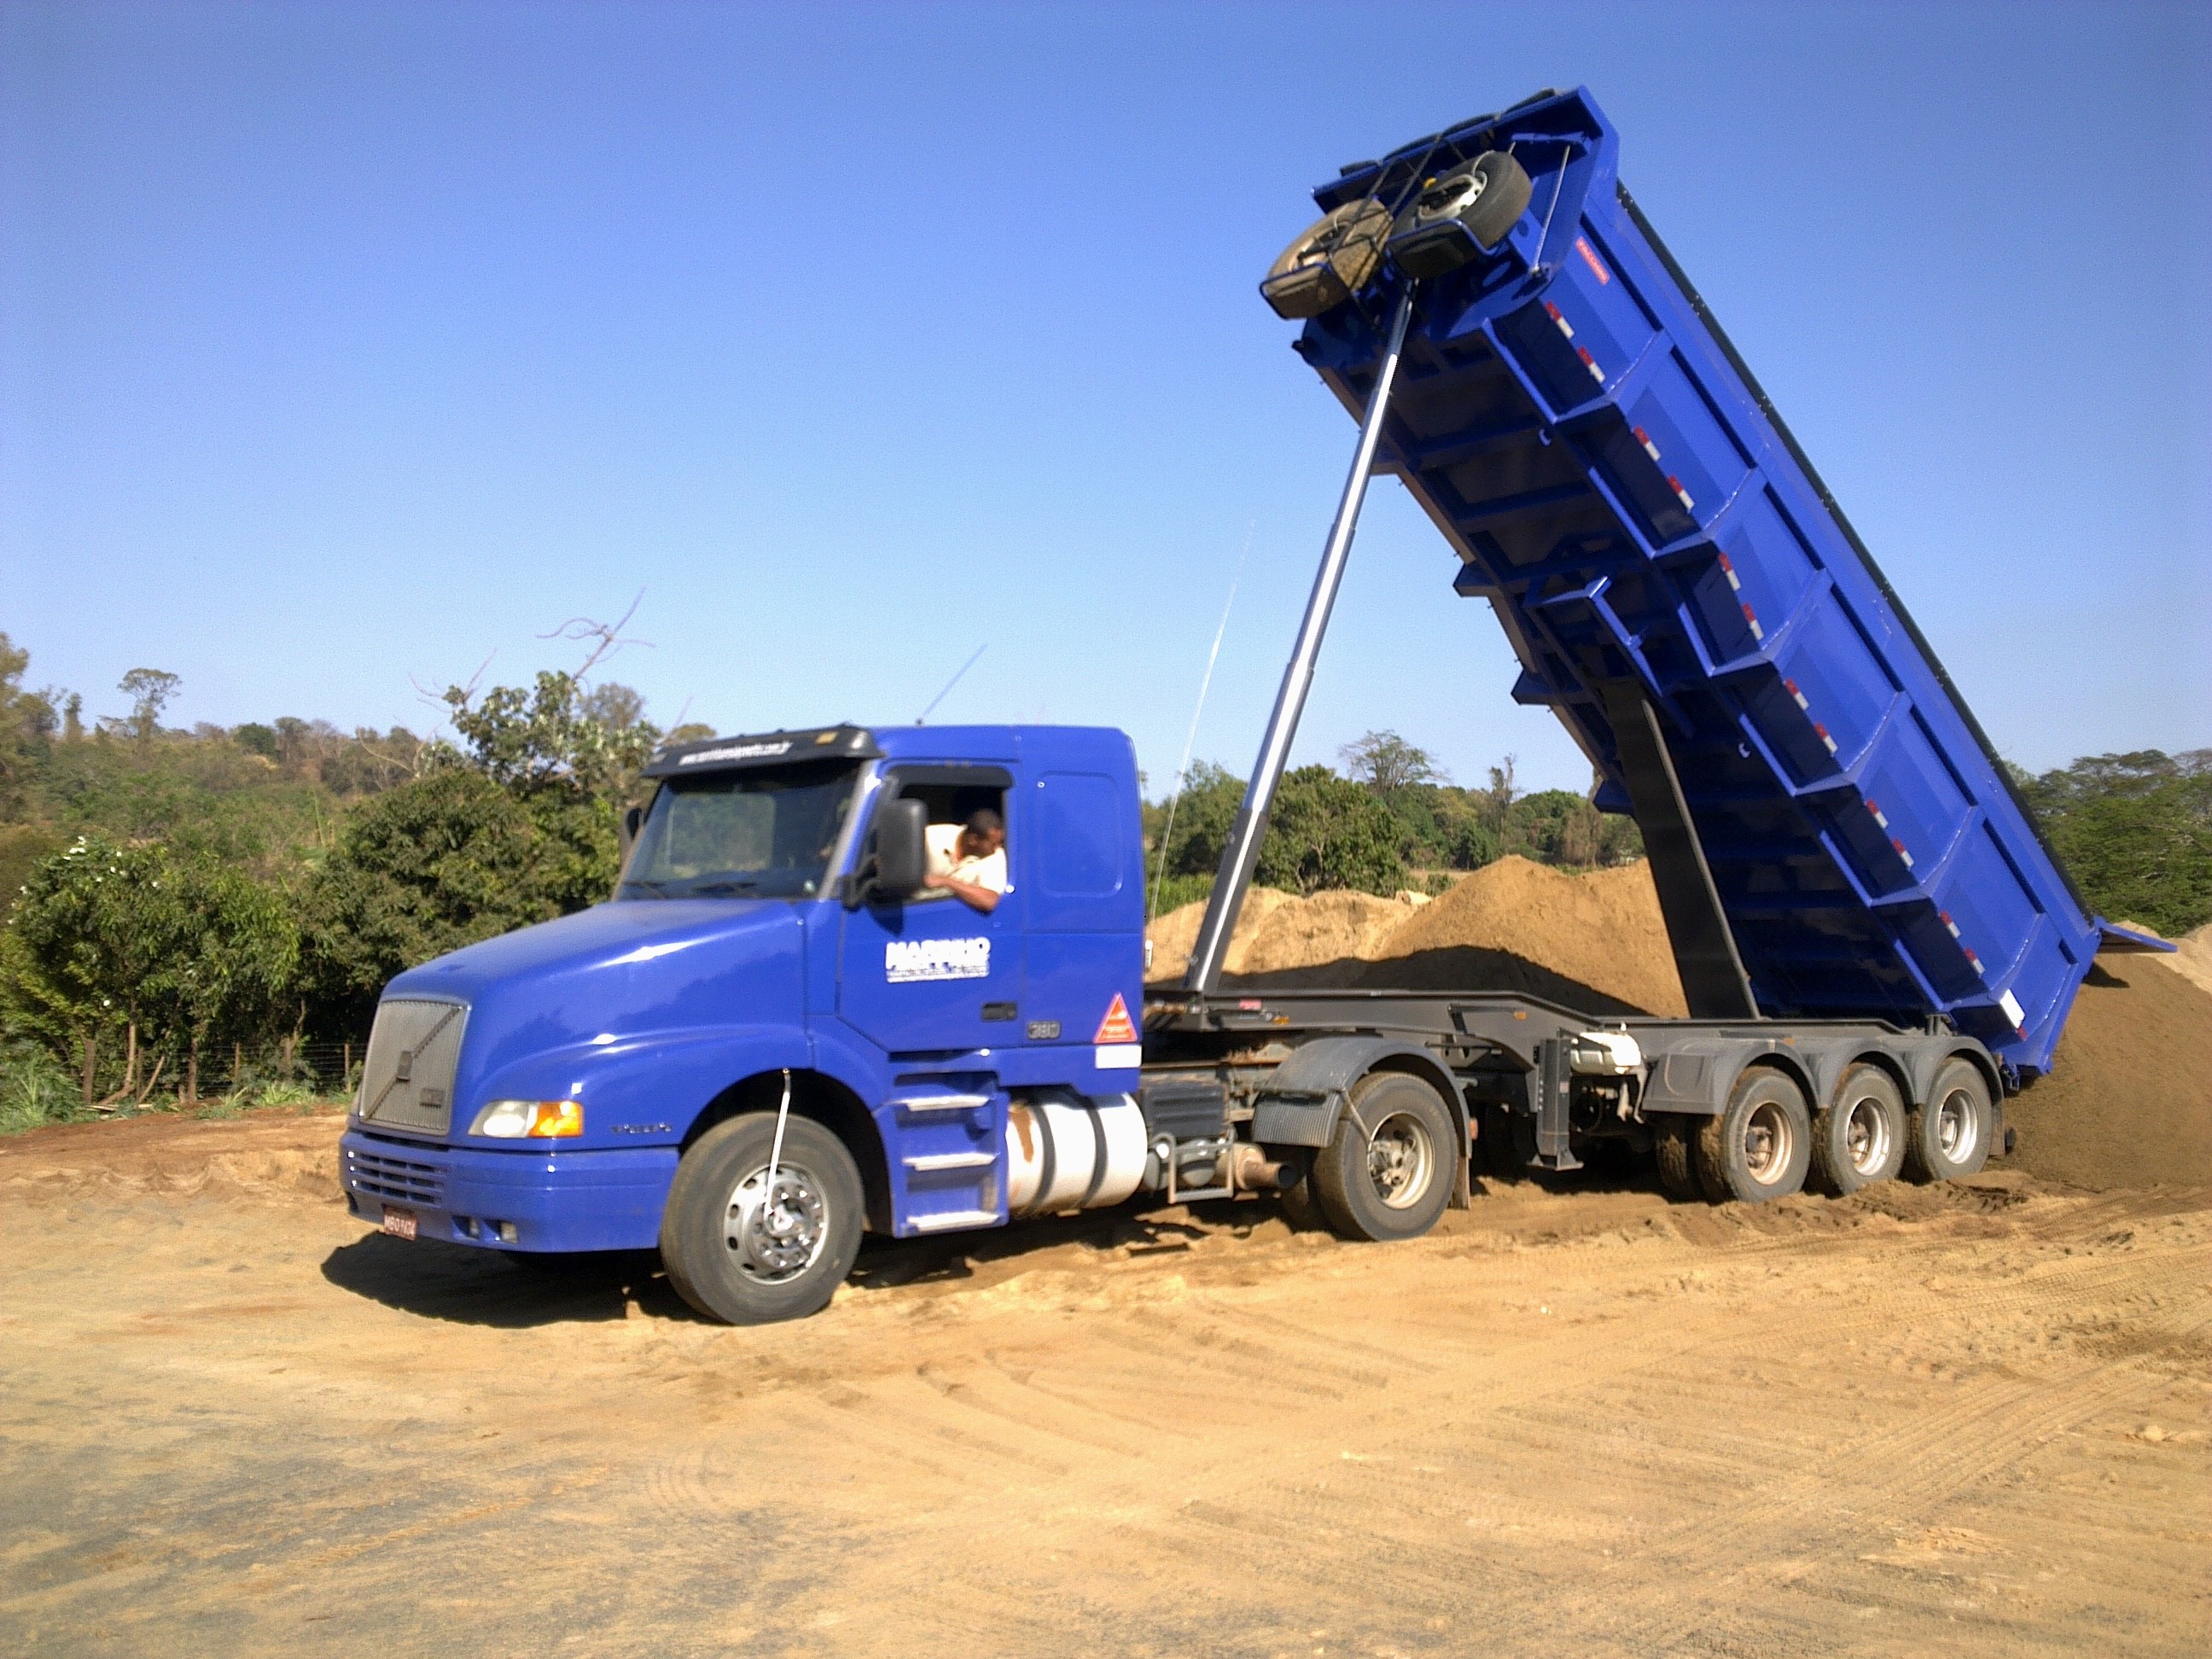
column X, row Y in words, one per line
column 722, row 889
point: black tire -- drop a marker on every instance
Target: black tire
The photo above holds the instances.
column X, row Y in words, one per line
column 785, row 1274
column 1386, row 1173
column 1760, row 1146
column 1858, row 1137
column 1331, row 260
column 1500, row 1148
column 1674, row 1144
column 1486, row 196
column 1950, row 1136
column 1504, row 200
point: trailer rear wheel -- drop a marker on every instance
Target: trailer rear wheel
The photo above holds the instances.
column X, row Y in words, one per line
column 748, row 1250
column 1674, row 1140
column 1387, row 1172
column 1950, row 1137
column 1760, row 1145
column 1858, row 1138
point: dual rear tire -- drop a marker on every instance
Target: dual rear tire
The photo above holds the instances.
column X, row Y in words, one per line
column 1765, row 1142
column 1954, row 1133
column 1760, row 1145
column 1858, row 1138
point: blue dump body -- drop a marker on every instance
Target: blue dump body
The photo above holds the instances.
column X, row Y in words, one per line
column 1617, row 486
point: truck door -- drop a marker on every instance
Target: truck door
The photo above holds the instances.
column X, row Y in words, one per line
column 933, row 973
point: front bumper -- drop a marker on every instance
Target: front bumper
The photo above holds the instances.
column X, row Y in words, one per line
column 523, row 1199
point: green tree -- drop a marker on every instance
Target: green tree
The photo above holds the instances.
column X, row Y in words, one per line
column 561, row 735
column 27, row 729
column 1328, row 831
column 428, row 868
column 177, row 951
column 1188, row 830
column 151, row 691
column 2134, row 831
column 1387, row 764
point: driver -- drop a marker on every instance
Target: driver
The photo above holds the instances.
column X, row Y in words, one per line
column 978, row 875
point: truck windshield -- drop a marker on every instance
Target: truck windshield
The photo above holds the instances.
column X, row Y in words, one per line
column 762, row 833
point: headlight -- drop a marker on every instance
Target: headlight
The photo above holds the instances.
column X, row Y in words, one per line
column 536, row 1120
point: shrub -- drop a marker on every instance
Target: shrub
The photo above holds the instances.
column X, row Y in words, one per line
column 34, row 1089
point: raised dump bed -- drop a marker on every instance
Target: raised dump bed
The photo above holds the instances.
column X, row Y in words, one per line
column 1684, row 593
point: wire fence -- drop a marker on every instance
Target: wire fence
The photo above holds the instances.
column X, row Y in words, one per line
column 110, row 1075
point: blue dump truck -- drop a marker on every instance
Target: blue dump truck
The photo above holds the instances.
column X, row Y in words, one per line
column 779, row 1035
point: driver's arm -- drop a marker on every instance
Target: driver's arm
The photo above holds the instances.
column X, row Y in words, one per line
column 975, row 897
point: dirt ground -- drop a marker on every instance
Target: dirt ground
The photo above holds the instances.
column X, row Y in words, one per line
column 1971, row 1419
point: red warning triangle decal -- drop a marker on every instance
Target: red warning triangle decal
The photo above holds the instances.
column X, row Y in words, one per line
column 1115, row 1027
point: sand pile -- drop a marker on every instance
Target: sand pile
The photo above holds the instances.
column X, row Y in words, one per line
column 2192, row 960
column 1174, row 934
column 1595, row 941
column 2129, row 1100
column 1335, row 926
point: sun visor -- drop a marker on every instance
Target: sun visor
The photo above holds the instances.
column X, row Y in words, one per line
column 764, row 749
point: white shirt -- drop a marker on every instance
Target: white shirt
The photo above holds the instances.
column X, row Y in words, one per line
column 989, row 870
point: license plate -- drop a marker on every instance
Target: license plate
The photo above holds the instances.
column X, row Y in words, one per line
column 400, row 1223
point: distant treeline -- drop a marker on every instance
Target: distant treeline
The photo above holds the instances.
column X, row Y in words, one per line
column 1394, row 822
column 216, row 909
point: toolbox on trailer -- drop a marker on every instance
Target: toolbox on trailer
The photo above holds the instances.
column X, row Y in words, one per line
column 1833, row 835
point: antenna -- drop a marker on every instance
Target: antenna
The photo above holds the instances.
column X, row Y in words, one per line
column 1182, row 771
column 923, row 717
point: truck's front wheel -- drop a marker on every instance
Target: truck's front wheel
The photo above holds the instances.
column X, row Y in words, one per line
column 748, row 1250
column 1387, row 1172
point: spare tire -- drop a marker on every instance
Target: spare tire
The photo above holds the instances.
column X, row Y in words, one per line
column 1331, row 260
column 1459, row 214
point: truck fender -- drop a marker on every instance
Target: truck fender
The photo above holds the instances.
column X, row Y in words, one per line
column 1937, row 1053
column 1300, row 1103
column 1695, row 1078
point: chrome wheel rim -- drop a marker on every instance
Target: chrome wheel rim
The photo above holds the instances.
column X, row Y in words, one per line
column 1401, row 1160
column 1452, row 197
column 1768, row 1143
column 1867, row 1136
column 776, row 1233
column 1958, row 1125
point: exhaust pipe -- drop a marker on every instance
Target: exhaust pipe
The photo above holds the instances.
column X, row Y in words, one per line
column 1251, row 1170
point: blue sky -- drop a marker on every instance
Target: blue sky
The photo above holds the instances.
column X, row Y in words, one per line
column 344, row 347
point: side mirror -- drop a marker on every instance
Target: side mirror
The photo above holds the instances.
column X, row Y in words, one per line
column 902, row 848
column 631, row 821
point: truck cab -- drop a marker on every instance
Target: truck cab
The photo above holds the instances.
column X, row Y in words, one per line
column 772, row 969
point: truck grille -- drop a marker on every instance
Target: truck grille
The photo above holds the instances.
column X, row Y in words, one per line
column 401, row 1180
column 407, row 1081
